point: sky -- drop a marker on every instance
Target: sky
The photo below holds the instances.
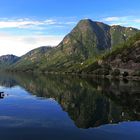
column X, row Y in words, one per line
column 28, row 24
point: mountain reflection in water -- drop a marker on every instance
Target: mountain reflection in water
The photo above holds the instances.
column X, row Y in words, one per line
column 89, row 102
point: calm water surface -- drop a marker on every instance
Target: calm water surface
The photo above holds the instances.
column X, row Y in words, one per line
column 39, row 107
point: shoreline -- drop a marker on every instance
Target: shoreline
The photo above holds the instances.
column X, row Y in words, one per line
column 133, row 78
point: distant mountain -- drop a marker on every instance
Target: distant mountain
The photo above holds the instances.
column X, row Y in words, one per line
column 31, row 58
column 7, row 60
column 79, row 49
column 36, row 53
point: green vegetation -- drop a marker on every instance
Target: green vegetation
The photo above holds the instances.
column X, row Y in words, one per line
column 91, row 47
column 29, row 62
column 89, row 102
column 124, row 56
column 7, row 60
column 116, row 72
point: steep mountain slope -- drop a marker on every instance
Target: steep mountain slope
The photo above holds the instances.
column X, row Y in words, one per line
column 87, row 38
column 124, row 58
column 7, row 60
column 87, row 41
column 128, row 58
column 90, row 37
column 120, row 34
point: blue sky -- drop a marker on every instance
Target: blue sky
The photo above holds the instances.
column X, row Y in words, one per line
column 27, row 24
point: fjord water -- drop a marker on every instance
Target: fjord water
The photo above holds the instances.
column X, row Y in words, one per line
column 40, row 107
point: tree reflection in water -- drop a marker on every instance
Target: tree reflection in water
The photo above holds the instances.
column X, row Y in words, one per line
column 90, row 102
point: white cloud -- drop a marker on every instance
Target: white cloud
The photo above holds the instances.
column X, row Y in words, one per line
column 137, row 20
column 50, row 22
column 24, row 23
column 19, row 45
column 123, row 20
column 111, row 19
column 13, row 40
column 70, row 23
column 29, row 23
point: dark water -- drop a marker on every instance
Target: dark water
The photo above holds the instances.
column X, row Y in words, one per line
column 39, row 107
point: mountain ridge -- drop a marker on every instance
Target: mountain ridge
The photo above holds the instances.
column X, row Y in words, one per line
column 123, row 60
column 84, row 44
column 33, row 55
column 6, row 60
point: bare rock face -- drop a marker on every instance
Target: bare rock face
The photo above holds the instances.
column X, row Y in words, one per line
column 129, row 58
column 7, row 60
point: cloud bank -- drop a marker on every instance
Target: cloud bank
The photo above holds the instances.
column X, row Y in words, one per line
column 19, row 45
column 18, row 36
column 124, row 21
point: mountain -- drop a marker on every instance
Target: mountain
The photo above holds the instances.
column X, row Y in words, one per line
column 87, row 38
column 7, row 60
column 123, row 59
column 31, row 58
column 86, row 42
column 90, row 37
